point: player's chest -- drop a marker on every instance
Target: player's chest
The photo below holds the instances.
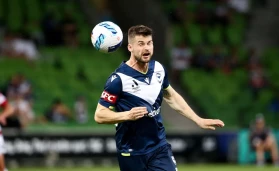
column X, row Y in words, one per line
column 144, row 86
column 143, row 82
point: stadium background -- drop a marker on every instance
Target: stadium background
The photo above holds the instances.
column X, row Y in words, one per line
column 229, row 49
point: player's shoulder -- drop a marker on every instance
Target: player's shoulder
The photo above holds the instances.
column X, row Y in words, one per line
column 114, row 78
column 157, row 66
column 157, row 63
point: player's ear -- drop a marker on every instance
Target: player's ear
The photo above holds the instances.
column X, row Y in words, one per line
column 129, row 47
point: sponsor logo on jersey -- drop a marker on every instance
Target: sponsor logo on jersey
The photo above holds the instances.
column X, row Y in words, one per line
column 146, row 80
column 112, row 78
column 109, row 97
column 154, row 112
column 135, row 86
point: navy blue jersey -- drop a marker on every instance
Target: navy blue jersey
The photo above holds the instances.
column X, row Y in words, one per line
column 127, row 88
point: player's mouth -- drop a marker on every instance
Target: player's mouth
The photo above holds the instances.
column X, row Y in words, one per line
column 146, row 54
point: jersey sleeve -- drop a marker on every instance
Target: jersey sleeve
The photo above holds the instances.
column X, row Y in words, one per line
column 166, row 83
column 3, row 101
column 112, row 91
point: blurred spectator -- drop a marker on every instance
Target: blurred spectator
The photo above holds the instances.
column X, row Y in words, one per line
column 19, row 46
column 257, row 80
column 231, row 62
column 241, row 6
column 7, row 44
column 203, row 16
column 81, row 112
column 254, row 58
column 13, row 87
column 35, row 32
column 23, row 110
column 58, row 112
column 217, row 58
column 25, row 88
column 222, row 13
column 200, row 57
column 19, row 86
column 27, row 47
column 181, row 60
column 70, row 30
column 262, row 140
column 257, row 77
column 51, row 29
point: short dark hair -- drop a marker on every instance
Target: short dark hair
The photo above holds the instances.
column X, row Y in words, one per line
column 139, row 30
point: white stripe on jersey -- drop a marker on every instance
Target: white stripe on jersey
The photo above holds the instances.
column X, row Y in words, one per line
column 147, row 92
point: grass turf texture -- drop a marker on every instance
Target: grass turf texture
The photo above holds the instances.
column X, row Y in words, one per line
column 180, row 168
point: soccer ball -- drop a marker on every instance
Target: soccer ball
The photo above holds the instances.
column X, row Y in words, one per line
column 106, row 37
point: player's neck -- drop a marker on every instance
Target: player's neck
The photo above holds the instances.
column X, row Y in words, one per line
column 139, row 66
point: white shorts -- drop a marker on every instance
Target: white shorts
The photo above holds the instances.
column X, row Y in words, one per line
column 2, row 145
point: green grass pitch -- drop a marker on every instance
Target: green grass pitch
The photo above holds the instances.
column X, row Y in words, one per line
column 180, row 168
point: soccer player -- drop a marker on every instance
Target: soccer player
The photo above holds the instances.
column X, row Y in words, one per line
column 6, row 112
column 262, row 140
column 132, row 100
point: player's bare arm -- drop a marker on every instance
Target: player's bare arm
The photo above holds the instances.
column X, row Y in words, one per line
column 104, row 115
column 8, row 111
column 180, row 105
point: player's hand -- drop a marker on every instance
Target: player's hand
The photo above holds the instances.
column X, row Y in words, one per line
column 3, row 120
column 137, row 113
column 210, row 123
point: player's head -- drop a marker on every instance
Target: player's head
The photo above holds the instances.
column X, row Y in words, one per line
column 260, row 122
column 140, row 43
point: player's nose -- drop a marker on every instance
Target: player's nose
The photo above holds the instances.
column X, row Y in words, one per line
column 146, row 47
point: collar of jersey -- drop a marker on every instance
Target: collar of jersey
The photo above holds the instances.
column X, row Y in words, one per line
column 129, row 70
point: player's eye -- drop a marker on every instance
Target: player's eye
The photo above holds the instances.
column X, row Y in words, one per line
column 150, row 43
column 140, row 44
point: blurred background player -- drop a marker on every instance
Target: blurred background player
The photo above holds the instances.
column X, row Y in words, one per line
column 262, row 140
column 6, row 112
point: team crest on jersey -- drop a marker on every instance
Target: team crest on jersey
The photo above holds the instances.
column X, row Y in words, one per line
column 159, row 77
